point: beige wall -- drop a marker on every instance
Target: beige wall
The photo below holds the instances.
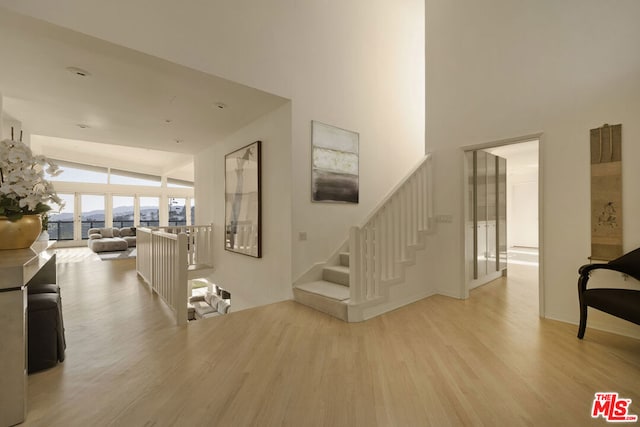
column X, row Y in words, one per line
column 500, row 69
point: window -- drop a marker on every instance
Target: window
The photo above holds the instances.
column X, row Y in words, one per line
column 61, row 223
column 92, row 213
column 77, row 172
column 193, row 212
column 123, row 213
column 177, row 211
column 149, row 211
column 133, row 178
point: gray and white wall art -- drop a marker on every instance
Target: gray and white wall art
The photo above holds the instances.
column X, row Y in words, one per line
column 243, row 212
column 335, row 155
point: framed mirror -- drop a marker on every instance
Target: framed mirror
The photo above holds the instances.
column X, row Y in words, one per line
column 243, row 200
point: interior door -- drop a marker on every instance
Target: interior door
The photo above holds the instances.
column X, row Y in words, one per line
column 487, row 195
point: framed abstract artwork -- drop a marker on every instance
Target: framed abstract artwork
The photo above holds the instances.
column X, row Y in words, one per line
column 334, row 164
column 243, row 211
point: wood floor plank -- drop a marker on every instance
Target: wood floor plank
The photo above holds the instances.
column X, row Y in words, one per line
column 489, row 360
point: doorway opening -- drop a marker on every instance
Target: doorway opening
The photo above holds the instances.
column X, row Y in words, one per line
column 505, row 204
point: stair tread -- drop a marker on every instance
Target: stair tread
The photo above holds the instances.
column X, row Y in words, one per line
column 340, row 268
column 326, row 289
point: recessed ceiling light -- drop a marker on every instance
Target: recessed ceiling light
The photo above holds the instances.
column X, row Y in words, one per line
column 78, row 71
column 83, row 126
column 220, row 105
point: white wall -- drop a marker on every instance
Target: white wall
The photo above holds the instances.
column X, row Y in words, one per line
column 522, row 211
column 6, row 123
column 252, row 281
column 357, row 64
column 500, row 69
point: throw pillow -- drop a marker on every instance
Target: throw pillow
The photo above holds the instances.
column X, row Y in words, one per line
column 106, row 232
column 223, row 307
column 214, row 300
column 195, row 298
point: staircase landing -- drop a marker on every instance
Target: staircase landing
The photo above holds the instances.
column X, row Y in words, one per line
column 326, row 289
column 333, row 307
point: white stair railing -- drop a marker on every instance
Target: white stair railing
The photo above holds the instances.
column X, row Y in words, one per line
column 380, row 246
column 169, row 277
column 245, row 238
column 164, row 256
column 143, row 253
column 200, row 241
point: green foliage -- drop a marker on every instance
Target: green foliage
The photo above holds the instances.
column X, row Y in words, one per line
column 10, row 208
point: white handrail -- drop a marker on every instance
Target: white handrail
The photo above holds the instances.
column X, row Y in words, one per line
column 381, row 244
column 421, row 164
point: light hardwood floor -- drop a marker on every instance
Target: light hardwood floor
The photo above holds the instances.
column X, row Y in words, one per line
column 488, row 360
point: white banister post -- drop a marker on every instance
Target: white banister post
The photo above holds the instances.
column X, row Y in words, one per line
column 211, row 243
column 377, row 256
column 403, row 222
column 154, row 265
column 355, row 285
column 181, row 297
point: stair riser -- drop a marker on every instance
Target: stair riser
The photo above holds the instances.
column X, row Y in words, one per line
column 338, row 277
column 344, row 259
column 326, row 305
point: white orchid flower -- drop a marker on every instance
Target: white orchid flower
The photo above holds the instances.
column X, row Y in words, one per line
column 22, row 179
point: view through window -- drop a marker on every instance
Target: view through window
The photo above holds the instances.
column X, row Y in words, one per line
column 79, row 173
column 94, row 210
column 123, row 211
column 92, row 213
column 149, row 211
column 177, row 211
column 61, row 223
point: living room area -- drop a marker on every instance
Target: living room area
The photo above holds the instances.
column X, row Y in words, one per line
column 122, row 126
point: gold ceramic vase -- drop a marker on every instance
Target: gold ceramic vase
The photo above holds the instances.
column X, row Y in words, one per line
column 19, row 234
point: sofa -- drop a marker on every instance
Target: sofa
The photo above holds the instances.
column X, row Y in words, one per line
column 111, row 239
column 204, row 303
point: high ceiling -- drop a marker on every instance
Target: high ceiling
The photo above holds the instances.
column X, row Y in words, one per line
column 127, row 98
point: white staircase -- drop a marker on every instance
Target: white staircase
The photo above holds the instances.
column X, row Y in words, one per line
column 354, row 283
column 330, row 294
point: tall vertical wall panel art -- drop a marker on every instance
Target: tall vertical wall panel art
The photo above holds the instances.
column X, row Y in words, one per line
column 606, row 192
